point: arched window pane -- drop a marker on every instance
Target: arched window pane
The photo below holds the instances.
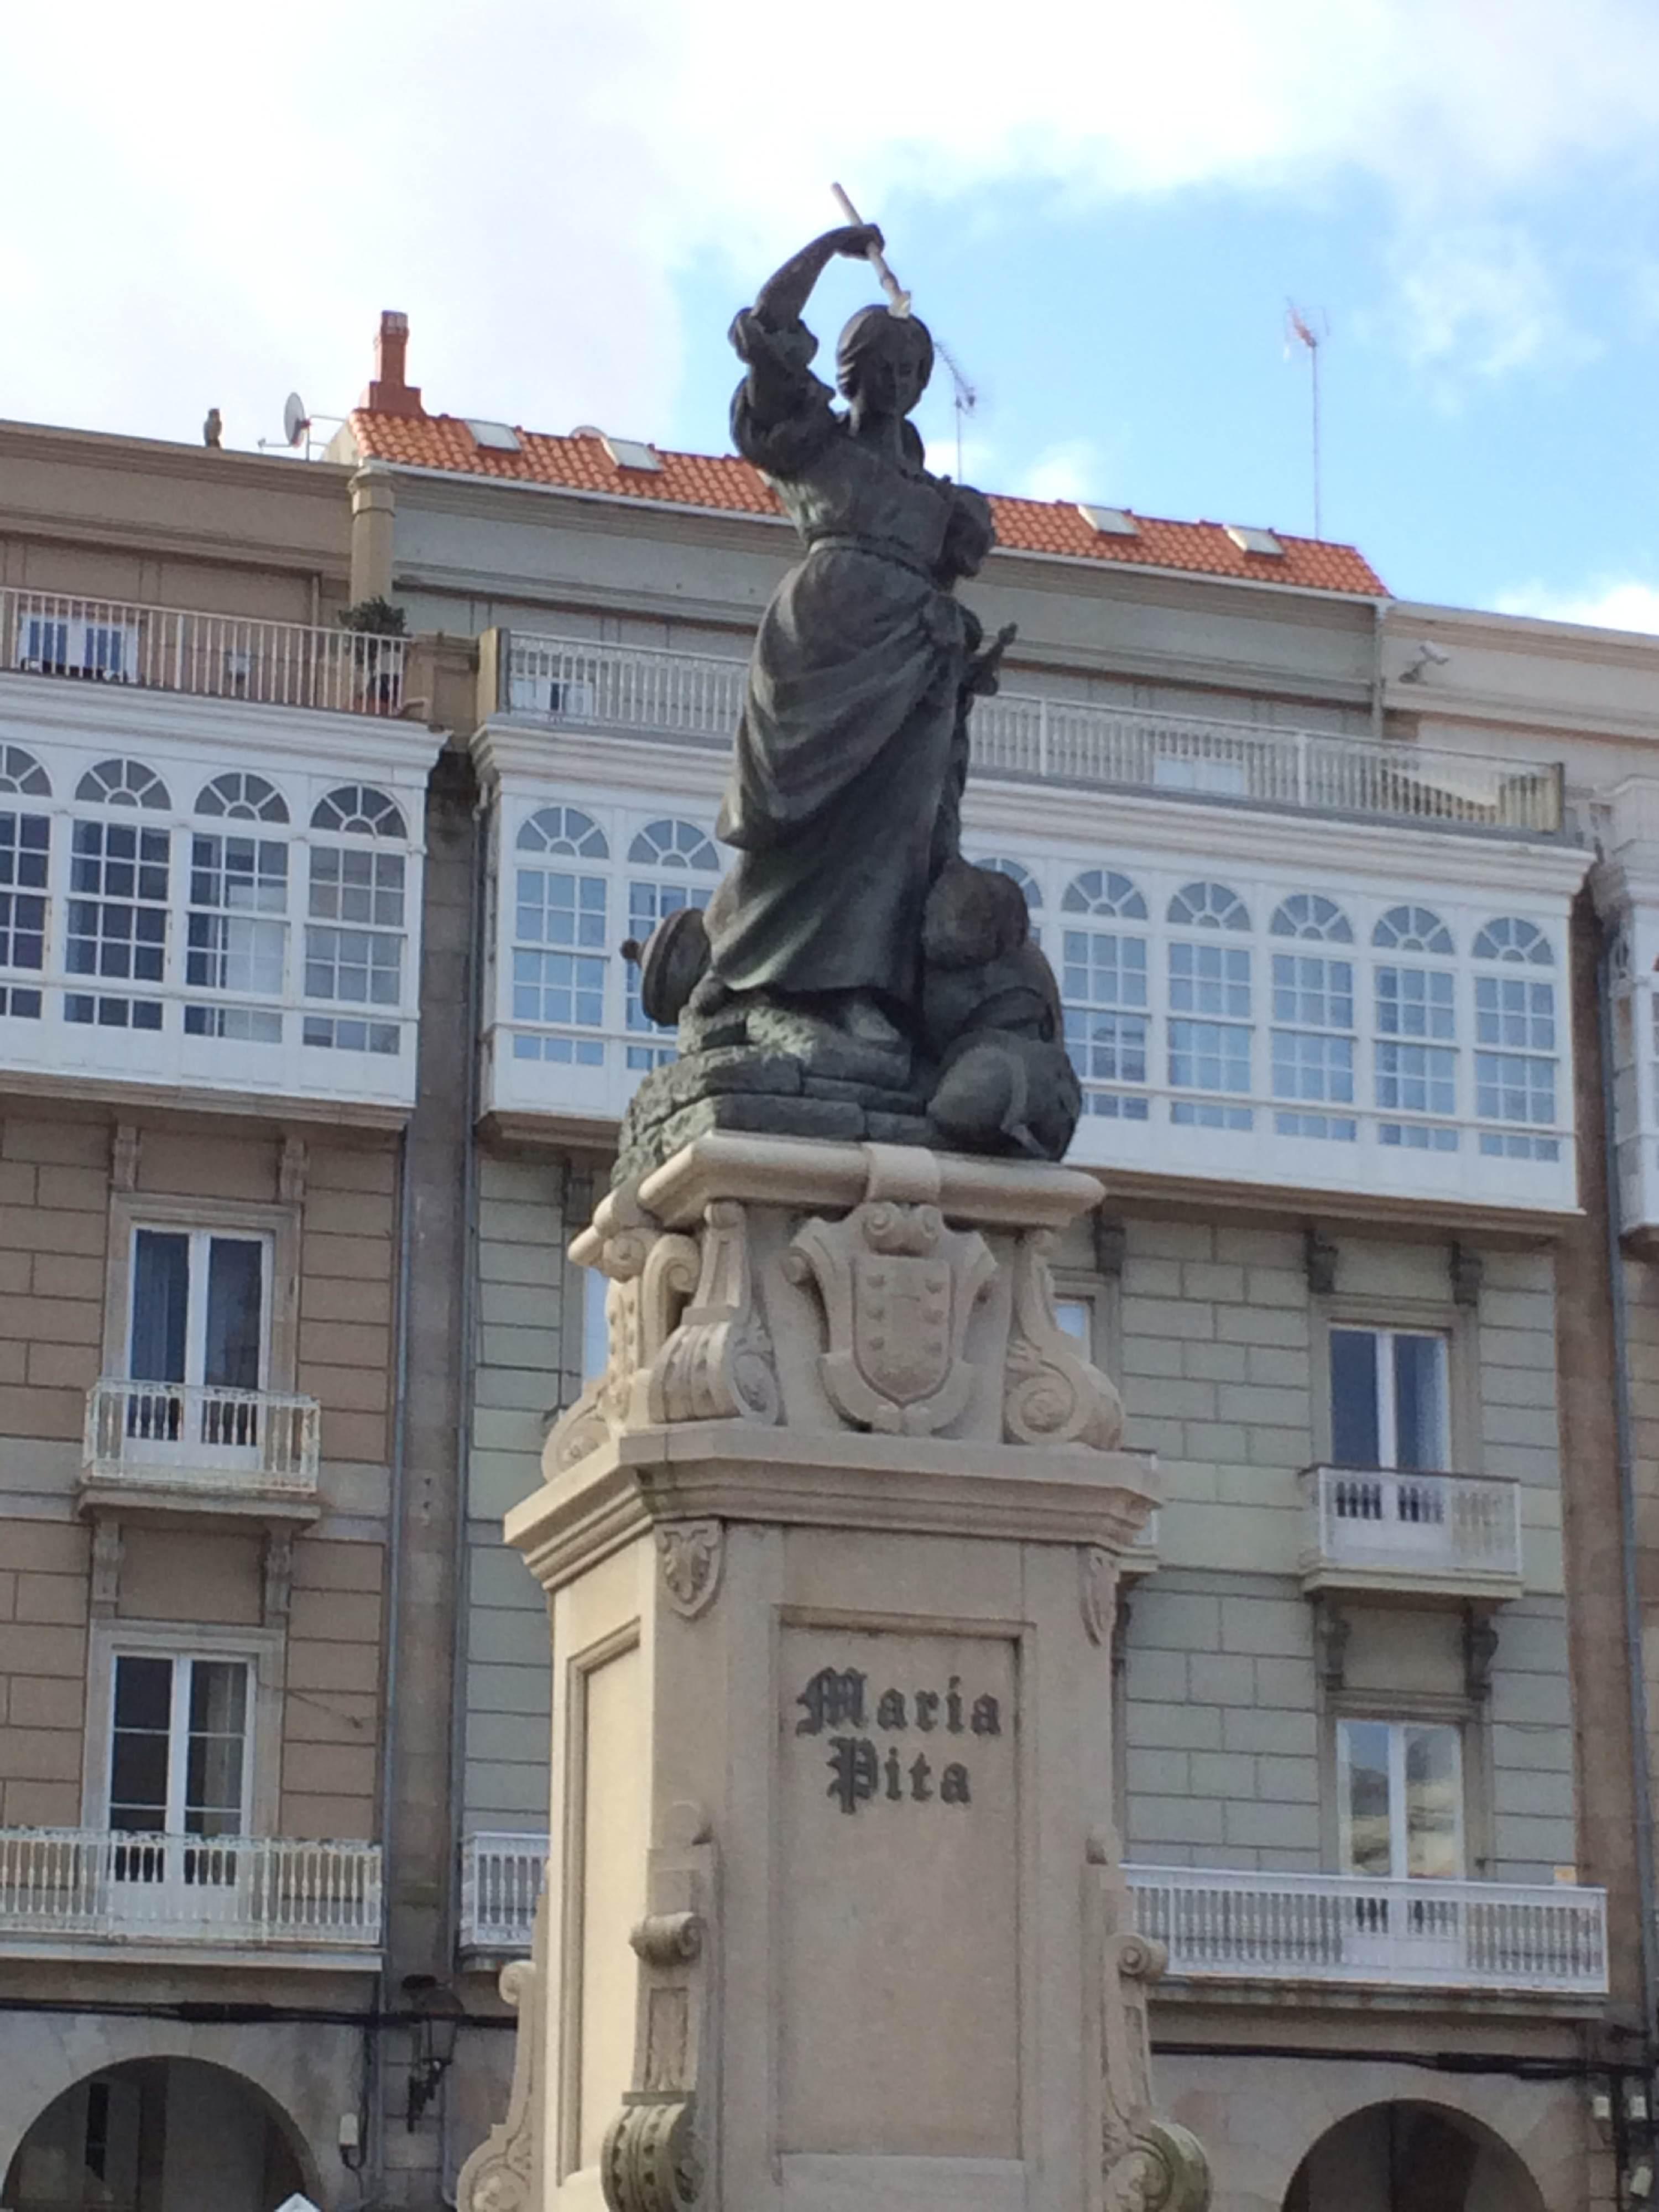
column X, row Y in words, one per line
column 1307, row 914
column 1208, row 906
column 22, row 772
column 566, row 831
column 1103, row 890
column 122, row 783
column 242, row 798
column 678, row 845
column 1508, row 938
column 1019, row 873
column 357, row 810
column 1414, row 929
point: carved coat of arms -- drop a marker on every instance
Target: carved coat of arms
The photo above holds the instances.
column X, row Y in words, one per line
column 899, row 1288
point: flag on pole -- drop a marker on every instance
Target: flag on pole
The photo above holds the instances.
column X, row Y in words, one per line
column 1298, row 328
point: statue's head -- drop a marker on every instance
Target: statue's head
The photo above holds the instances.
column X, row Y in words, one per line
column 885, row 360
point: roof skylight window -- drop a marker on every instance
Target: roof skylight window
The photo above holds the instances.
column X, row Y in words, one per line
column 494, row 437
column 1254, row 541
column 1109, row 521
column 633, row 453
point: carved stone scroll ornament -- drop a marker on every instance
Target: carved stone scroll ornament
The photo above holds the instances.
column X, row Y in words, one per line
column 502, row 2176
column 1051, row 1395
column 718, row 1363
column 1148, row 2163
column 691, row 1554
column 898, row 1290
column 650, row 1274
column 658, row 2152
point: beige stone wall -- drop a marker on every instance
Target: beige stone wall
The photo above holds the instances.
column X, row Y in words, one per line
column 43, row 1672
column 56, row 1193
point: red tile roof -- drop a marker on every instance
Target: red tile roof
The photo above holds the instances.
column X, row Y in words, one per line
column 580, row 463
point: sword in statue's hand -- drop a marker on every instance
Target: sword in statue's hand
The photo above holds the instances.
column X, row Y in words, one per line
column 898, row 298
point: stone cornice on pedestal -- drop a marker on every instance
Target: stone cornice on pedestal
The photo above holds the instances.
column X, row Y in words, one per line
column 727, row 1471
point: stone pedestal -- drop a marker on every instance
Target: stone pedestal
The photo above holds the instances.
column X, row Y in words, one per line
column 832, row 1917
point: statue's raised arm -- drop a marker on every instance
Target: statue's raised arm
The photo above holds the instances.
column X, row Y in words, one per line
column 850, row 941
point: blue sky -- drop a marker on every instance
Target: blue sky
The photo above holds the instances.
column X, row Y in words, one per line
column 1102, row 210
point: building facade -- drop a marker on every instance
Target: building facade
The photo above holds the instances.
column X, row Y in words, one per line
column 1353, row 940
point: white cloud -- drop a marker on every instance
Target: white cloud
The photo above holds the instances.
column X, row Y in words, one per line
column 1071, row 470
column 221, row 210
column 1621, row 605
column 1478, row 301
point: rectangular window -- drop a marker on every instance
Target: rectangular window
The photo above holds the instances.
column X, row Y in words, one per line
column 25, row 842
column 1389, row 1399
column 1210, row 979
column 1416, row 1062
column 199, row 1330
column 648, row 903
column 558, row 965
column 1313, row 1043
column 1103, row 987
column 238, row 934
column 354, row 948
column 178, row 1746
column 1514, row 1063
column 117, row 921
column 1400, row 1797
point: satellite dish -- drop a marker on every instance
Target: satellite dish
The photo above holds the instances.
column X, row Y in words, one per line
column 295, row 421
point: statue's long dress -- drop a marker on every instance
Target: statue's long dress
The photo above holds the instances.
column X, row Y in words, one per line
column 844, row 755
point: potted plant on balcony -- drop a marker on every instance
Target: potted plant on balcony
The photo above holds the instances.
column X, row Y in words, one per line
column 379, row 671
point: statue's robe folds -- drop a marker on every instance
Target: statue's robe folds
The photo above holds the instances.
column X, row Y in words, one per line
column 846, row 762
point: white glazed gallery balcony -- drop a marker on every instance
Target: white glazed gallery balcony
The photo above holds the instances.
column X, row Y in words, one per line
column 274, row 664
column 86, row 1888
column 1349, row 1929
column 501, row 1882
column 196, row 1447
column 1455, row 1536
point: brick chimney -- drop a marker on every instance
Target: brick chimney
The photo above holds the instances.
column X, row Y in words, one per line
column 389, row 394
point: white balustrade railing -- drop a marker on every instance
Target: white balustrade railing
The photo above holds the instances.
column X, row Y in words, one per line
column 1402, row 1523
column 1403, row 1934
column 501, row 1881
column 272, row 664
column 695, row 698
column 193, row 1435
column 100, row 1885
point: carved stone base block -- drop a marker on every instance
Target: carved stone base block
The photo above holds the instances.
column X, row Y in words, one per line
column 832, row 1546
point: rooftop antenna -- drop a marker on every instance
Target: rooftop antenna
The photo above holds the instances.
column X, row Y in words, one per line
column 967, row 399
column 1311, row 330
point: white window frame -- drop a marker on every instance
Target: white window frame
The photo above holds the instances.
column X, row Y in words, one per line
column 183, row 1665
column 280, row 1225
column 201, row 1241
column 1399, row 1727
column 265, row 1649
column 1386, row 1334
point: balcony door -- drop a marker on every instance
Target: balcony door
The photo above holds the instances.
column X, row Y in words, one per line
column 1390, row 1427
column 1399, row 1787
column 200, row 1332
column 179, row 1777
